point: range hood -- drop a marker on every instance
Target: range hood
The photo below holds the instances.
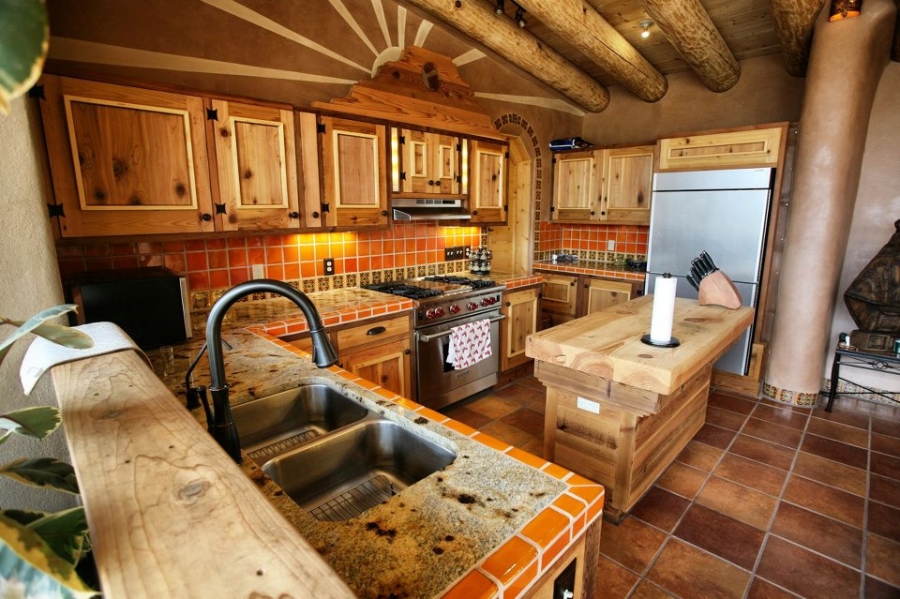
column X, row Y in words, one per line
column 406, row 209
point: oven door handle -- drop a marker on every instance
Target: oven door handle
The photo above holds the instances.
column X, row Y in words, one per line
column 427, row 338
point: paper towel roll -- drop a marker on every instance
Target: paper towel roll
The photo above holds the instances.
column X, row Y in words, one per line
column 663, row 309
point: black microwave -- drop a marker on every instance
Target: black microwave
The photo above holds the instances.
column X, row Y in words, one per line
column 150, row 304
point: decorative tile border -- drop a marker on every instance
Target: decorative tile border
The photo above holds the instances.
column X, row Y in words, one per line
column 787, row 396
column 865, row 394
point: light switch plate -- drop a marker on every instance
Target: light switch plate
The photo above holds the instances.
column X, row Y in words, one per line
column 258, row 271
column 611, row 245
column 587, row 405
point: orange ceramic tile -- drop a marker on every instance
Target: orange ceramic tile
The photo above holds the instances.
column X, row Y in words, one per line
column 578, row 480
column 546, row 527
column 387, row 393
column 237, row 258
column 275, row 272
column 196, row 261
column 556, row 471
column 570, row 505
column 407, row 403
column 525, row 580
column 553, row 551
column 432, row 415
column 462, row 429
column 527, row 458
column 491, row 442
column 510, row 560
column 366, row 384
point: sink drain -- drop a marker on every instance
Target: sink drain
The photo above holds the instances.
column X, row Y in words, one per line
column 355, row 501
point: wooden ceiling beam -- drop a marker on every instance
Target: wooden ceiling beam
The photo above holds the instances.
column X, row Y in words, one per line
column 588, row 31
column 499, row 33
column 687, row 26
column 794, row 24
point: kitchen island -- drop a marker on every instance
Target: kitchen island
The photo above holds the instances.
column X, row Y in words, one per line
column 618, row 410
column 171, row 515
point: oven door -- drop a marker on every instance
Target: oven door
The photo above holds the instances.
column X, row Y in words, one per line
column 438, row 384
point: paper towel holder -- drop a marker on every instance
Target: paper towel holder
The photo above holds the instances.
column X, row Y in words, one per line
column 672, row 342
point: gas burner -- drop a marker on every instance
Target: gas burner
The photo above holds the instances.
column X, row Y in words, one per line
column 405, row 290
column 473, row 283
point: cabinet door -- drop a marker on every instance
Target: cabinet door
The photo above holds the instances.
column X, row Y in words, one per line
column 575, row 177
column 388, row 365
column 560, row 297
column 729, row 149
column 353, row 168
column 429, row 163
column 627, row 183
column 126, row 161
column 309, row 185
column 487, row 186
column 446, row 164
column 256, row 164
column 521, row 310
column 603, row 293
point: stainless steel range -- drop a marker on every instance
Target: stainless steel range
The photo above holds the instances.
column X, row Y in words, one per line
column 446, row 302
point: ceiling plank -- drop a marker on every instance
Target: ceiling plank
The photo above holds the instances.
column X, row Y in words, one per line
column 476, row 19
column 687, row 26
column 794, row 23
column 585, row 29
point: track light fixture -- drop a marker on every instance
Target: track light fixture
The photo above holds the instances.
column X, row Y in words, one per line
column 646, row 25
column 520, row 16
column 499, row 8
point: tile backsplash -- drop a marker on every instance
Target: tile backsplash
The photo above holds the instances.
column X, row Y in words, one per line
column 591, row 241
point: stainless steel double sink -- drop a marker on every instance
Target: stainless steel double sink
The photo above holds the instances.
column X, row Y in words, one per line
column 333, row 456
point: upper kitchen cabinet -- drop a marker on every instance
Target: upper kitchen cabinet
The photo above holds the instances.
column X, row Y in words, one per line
column 606, row 185
column 487, row 181
column 354, row 161
column 428, row 163
column 126, row 160
column 256, row 166
column 751, row 147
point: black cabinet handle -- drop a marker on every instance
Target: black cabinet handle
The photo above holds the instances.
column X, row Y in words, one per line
column 507, row 304
column 407, row 352
column 593, row 213
column 603, row 213
column 431, row 183
column 586, row 285
column 206, row 217
column 474, row 213
column 572, row 284
column 384, row 213
column 375, row 331
column 315, row 215
column 294, row 214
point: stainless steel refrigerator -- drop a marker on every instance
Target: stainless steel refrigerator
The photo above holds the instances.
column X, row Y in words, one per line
column 724, row 212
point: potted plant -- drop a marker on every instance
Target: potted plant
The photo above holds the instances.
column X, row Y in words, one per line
column 24, row 38
column 39, row 551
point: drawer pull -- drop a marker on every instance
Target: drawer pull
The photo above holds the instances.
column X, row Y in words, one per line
column 375, row 331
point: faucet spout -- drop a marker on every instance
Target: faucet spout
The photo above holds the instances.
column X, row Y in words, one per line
column 223, row 428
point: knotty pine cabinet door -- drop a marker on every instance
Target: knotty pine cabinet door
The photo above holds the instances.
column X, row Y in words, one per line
column 559, row 297
column 627, row 185
column 379, row 351
column 603, row 293
column 429, row 163
column 354, row 172
column 521, row 309
column 256, row 166
column 125, row 160
column 487, row 181
column 575, row 186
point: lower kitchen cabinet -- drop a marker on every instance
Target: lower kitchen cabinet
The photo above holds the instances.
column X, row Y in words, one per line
column 379, row 351
column 559, row 301
column 521, row 308
column 566, row 297
column 566, row 579
column 602, row 293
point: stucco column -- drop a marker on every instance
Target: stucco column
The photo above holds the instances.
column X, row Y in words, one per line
column 846, row 63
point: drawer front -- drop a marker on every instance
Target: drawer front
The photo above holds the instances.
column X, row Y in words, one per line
column 373, row 332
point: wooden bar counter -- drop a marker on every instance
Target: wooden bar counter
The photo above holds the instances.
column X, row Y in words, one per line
column 618, row 410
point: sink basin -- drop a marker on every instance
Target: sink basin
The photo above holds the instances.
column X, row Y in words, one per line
column 338, row 477
column 272, row 425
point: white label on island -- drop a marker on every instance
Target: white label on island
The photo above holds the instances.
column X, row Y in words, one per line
column 587, row 405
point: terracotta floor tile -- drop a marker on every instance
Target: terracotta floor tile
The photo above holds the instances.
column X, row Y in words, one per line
column 699, row 455
column 752, row 474
column 533, row 382
column 739, row 502
column 885, row 465
column 648, row 590
column 839, row 432
column 731, row 402
column 735, row 541
column 886, row 444
column 850, row 418
column 884, row 520
column 886, row 427
column 725, row 418
column 660, row 508
column 493, row 407
column 826, row 500
column 524, row 396
column 774, row 433
column 683, row 480
column 831, row 473
column 823, row 535
column 884, row 490
column 632, row 543
column 715, row 436
column 690, row 572
column 763, row 589
column 534, row 445
column 506, row 433
column 612, row 580
column 527, row 420
column 806, row 573
column 883, row 559
column 876, row 589
column 763, row 451
column 467, row 416
column 785, row 416
column 834, row 450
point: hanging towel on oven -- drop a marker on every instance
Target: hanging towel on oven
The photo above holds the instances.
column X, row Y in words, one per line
column 470, row 343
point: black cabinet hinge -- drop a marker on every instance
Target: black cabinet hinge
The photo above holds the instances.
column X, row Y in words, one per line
column 553, row 161
column 402, row 139
column 37, row 91
column 507, row 155
column 459, row 147
column 459, row 178
column 220, row 209
column 56, row 210
column 326, row 207
column 506, row 208
column 320, row 127
column 403, row 175
column 552, row 208
column 212, row 114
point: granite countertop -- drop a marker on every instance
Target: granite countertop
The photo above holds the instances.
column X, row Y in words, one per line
column 436, row 534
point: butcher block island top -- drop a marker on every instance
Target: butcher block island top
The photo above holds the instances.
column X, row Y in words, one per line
column 618, row 410
column 172, row 515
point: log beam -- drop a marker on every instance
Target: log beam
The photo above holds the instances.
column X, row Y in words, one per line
column 500, row 34
column 794, row 23
column 588, row 31
column 687, row 26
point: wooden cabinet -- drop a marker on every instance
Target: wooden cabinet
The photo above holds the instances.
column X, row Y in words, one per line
column 429, row 163
column 379, row 351
column 598, row 293
column 604, row 185
column 566, row 297
column 559, row 297
column 256, row 166
column 751, row 147
column 126, row 161
column 487, row 181
column 571, row 568
column 521, row 308
column 354, row 163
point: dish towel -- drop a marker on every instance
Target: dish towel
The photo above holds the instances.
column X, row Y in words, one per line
column 42, row 355
column 470, row 343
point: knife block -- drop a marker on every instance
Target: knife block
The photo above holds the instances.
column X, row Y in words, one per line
column 717, row 289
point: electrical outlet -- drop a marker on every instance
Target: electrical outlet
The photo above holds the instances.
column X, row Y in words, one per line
column 455, row 253
column 611, row 245
column 258, row 271
column 329, row 266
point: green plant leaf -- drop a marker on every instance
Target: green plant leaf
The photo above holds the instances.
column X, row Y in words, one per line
column 42, row 472
column 64, row 532
column 23, row 517
column 37, row 422
column 24, row 38
column 27, row 561
column 38, row 325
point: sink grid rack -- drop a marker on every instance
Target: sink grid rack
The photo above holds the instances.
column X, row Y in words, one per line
column 355, row 501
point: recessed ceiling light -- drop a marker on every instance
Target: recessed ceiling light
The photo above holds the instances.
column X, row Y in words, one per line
column 646, row 25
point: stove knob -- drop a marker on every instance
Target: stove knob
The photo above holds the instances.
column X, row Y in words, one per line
column 471, row 305
column 430, row 313
column 438, row 312
column 453, row 309
column 491, row 301
column 485, row 301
